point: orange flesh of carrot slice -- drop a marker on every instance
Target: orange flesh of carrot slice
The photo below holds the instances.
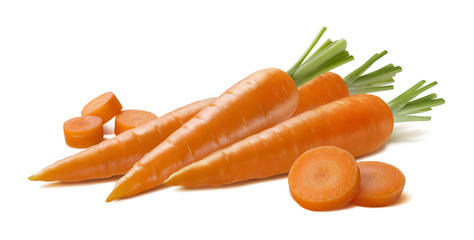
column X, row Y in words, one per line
column 105, row 106
column 324, row 178
column 381, row 184
column 129, row 119
column 82, row 132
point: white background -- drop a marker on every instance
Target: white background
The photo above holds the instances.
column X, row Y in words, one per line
column 55, row 56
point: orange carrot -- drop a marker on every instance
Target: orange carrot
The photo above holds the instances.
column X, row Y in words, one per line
column 129, row 119
column 324, row 178
column 259, row 101
column 381, row 184
column 358, row 124
column 117, row 155
column 105, row 106
column 82, row 132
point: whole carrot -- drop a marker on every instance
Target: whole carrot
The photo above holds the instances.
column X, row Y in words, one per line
column 117, row 155
column 359, row 124
column 259, row 101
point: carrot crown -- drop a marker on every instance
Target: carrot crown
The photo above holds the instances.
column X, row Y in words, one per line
column 403, row 107
column 329, row 55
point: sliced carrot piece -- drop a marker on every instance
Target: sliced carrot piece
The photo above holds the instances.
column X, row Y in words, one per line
column 82, row 132
column 324, row 178
column 381, row 184
column 129, row 119
column 105, row 106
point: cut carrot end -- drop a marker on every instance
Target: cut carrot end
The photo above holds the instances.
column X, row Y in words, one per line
column 82, row 132
column 324, row 178
column 105, row 106
column 129, row 119
column 381, row 184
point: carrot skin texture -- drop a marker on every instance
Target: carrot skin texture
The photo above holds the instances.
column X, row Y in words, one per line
column 117, row 155
column 323, row 89
column 359, row 124
column 259, row 101
column 324, row 178
column 382, row 184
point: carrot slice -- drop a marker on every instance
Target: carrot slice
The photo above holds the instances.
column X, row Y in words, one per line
column 129, row 119
column 381, row 184
column 105, row 106
column 324, row 178
column 82, row 132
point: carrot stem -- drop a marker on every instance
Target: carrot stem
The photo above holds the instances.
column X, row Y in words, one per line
column 329, row 55
column 403, row 106
column 351, row 77
column 340, row 59
column 305, row 54
column 311, row 66
column 378, row 80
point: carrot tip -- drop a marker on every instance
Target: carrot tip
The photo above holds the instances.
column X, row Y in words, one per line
column 170, row 182
column 112, row 196
column 35, row 177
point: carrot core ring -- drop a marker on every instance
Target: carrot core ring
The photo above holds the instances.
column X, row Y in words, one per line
column 324, row 178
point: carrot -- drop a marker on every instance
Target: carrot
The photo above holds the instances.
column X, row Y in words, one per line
column 117, row 155
column 324, row 178
column 105, row 106
column 259, row 101
column 381, row 184
column 82, row 132
column 129, row 119
column 358, row 124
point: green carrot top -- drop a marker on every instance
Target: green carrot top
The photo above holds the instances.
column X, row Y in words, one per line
column 332, row 54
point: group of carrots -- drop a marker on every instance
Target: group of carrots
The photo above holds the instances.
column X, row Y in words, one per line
column 307, row 121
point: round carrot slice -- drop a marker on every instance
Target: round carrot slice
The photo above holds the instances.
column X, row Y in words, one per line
column 381, row 184
column 324, row 178
column 129, row 119
column 82, row 132
column 105, row 106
